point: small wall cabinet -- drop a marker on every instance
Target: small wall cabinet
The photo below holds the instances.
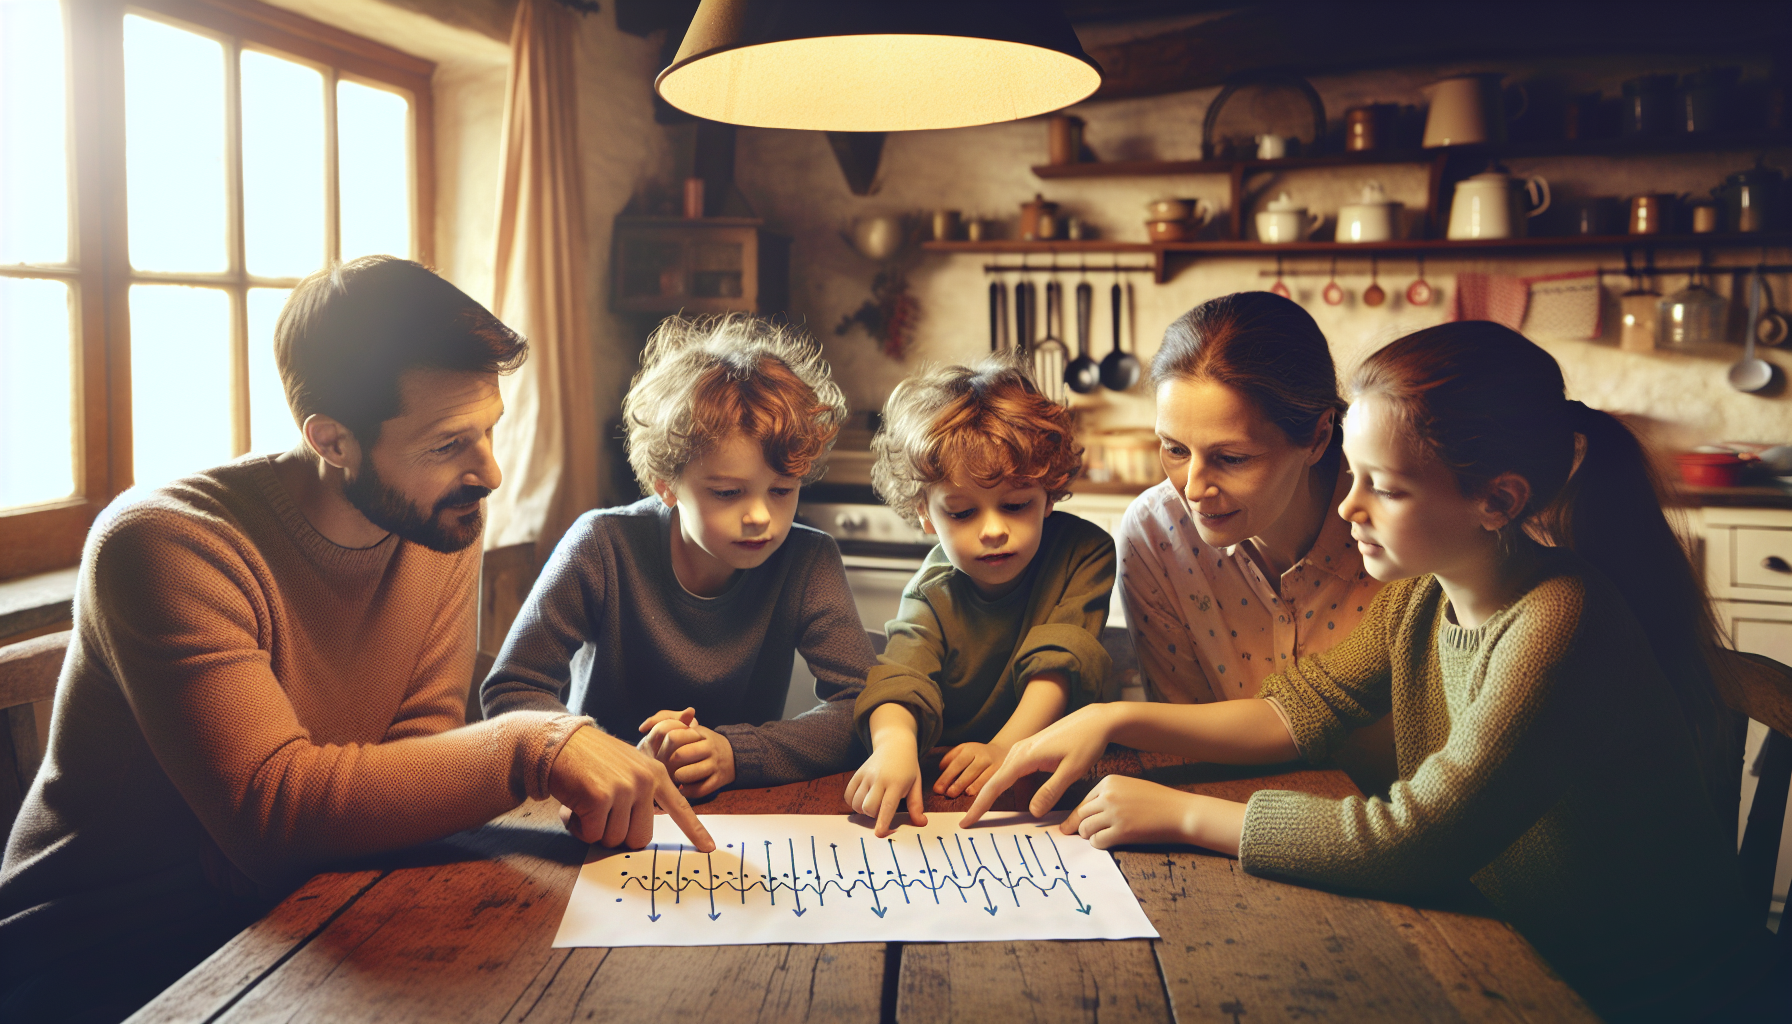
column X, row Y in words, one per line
column 669, row 265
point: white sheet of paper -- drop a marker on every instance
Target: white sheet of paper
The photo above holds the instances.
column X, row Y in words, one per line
column 777, row 878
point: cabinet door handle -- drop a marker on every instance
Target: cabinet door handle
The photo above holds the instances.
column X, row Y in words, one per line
column 1774, row 563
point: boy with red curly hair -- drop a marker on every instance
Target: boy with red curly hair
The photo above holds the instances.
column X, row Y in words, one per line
column 999, row 633
column 699, row 596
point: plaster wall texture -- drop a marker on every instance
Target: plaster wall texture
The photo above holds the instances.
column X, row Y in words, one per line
column 792, row 180
column 621, row 148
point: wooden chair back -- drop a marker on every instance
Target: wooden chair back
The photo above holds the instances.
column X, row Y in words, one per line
column 28, row 673
column 1761, row 688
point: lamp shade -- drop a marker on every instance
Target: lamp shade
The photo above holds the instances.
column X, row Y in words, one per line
column 870, row 66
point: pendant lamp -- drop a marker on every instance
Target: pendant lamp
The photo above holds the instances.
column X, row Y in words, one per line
column 871, row 66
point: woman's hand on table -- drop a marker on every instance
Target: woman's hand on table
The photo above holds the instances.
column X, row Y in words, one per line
column 607, row 790
column 700, row 760
column 968, row 766
column 1067, row 748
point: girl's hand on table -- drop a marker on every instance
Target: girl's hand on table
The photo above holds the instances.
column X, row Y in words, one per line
column 966, row 767
column 890, row 773
column 700, row 760
column 1067, row 748
column 1121, row 809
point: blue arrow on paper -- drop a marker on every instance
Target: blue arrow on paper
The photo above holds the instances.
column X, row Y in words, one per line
column 899, row 879
column 952, row 868
column 795, row 881
column 652, row 912
column 992, row 903
column 1007, row 879
column 712, row 887
column 1081, row 907
column 678, row 877
column 837, row 872
column 933, row 884
column 771, row 881
column 871, row 880
column 817, row 862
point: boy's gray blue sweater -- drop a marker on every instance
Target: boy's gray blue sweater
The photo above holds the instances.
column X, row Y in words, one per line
column 608, row 621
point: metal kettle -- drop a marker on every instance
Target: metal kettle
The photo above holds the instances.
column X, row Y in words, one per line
column 1751, row 199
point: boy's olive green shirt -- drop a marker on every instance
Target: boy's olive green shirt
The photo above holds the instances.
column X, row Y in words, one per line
column 1544, row 758
column 959, row 662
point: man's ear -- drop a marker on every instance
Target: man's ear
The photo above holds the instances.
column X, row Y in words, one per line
column 667, row 494
column 332, row 442
column 1503, row 500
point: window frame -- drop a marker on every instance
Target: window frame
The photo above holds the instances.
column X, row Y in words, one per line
column 41, row 537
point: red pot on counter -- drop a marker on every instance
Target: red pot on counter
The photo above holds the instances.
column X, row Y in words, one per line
column 1710, row 469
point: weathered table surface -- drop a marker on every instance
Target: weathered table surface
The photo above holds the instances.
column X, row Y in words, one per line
column 461, row 931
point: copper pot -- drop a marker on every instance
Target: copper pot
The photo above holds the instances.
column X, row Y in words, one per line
column 1652, row 214
column 1369, row 127
column 1038, row 219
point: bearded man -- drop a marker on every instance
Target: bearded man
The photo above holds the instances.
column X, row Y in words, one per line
column 270, row 663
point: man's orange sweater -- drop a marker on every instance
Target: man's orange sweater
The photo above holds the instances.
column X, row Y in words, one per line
column 244, row 702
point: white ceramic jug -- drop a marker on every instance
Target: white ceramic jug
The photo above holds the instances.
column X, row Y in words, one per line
column 1496, row 205
column 1283, row 220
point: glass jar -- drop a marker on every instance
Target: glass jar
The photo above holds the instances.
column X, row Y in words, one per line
column 1690, row 317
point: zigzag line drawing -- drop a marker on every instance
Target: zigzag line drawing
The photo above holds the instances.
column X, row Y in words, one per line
column 960, row 874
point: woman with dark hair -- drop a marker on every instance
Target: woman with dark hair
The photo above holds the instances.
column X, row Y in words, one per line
column 1238, row 564
column 1548, row 657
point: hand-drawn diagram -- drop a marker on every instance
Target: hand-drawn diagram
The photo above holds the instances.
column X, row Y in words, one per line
column 777, row 878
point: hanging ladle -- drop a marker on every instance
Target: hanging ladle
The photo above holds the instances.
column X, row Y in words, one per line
column 1119, row 369
column 1280, row 287
column 1752, row 374
column 1083, row 374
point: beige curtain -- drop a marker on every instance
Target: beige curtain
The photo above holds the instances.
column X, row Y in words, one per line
column 548, row 441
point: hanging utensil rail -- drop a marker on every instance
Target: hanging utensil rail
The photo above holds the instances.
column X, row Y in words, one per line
column 1063, row 268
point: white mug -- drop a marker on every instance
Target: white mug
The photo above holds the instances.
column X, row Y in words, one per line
column 1271, row 147
column 1279, row 226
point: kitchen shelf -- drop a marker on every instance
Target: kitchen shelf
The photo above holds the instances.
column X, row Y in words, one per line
column 1165, row 252
column 1586, row 147
column 1445, row 165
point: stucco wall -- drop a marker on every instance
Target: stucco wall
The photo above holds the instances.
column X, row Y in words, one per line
column 792, row 180
column 620, row 144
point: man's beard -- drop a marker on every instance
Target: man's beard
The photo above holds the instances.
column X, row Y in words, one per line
column 389, row 510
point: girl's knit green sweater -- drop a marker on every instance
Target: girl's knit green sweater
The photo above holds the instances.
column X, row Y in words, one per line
column 1543, row 756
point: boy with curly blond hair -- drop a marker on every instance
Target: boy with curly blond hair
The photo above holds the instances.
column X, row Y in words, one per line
column 999, row 633
column 678, row 616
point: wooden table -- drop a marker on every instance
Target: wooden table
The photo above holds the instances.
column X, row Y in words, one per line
column 461, row 931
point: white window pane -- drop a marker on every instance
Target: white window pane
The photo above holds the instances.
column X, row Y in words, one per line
column 174, row 147
column 180, row 381
column 373, row 154
column 271, row 427
column 37, row 424
column 33, row 134
column 283, row 166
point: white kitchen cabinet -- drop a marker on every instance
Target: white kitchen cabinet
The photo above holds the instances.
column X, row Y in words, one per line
column 1747, row 556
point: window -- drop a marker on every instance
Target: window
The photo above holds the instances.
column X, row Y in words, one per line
column 168, row 171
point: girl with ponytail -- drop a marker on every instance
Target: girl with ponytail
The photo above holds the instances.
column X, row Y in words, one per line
column 1546, row 652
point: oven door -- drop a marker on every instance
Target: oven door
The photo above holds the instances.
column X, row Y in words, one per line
column 876, row 583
